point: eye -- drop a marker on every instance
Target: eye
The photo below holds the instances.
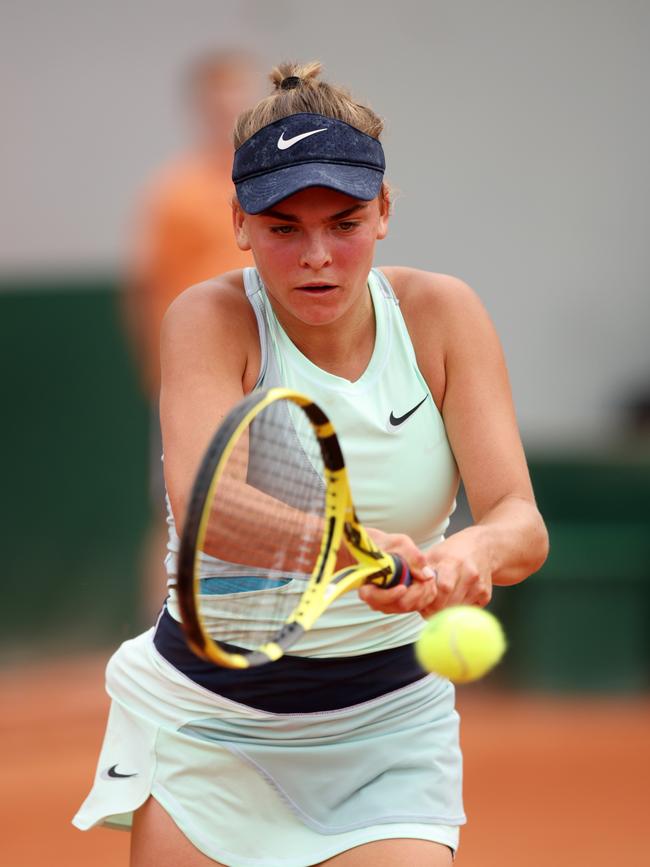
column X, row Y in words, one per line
column 347, row 225
column 282, row 230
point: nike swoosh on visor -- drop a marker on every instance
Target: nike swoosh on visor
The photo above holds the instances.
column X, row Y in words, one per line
column 283, row 143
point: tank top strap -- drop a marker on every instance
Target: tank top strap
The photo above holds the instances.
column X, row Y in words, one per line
column 269, row 375
column 397, row 325
column 383, row 285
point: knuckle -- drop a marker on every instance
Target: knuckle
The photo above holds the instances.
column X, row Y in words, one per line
column 435, row 607
column 479, row 595
column 485, row 596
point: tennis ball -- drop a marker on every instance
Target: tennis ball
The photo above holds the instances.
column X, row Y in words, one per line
column 462, row 643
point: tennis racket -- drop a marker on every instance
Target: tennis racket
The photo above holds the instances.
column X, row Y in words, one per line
column 269, row 515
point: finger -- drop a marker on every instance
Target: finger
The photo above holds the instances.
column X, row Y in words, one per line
column 472, row 588
column 447, row 578
column 378, row 595
column 425, row 573
column 406, row 548
column 417, row 597
column 462, row 593
column 430, row 610
column 412, row 598
column 474, row 593
column 437, row 604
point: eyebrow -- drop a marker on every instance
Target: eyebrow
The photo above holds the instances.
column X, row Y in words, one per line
column 292, row 218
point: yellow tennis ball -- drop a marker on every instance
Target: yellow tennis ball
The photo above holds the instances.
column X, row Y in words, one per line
column 462, row 643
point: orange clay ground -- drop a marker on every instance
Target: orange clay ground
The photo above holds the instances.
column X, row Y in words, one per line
column 548, row 781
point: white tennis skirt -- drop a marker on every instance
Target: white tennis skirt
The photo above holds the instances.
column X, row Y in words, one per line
column 249, row 787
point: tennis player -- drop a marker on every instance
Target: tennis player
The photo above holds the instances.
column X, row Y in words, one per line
column 344, row 752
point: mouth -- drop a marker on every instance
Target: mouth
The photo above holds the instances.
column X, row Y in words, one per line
column 317, row 288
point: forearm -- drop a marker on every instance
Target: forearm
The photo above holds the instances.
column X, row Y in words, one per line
column 515, row 540
column 253, row 528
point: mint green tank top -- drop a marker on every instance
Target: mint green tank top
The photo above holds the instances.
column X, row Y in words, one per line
column 403, row 475
column 402, row 471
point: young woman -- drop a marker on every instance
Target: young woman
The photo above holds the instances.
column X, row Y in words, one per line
column 344, row 753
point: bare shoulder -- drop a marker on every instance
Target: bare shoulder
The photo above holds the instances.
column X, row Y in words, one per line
column 210, row 321
column 214, row 305
column 443, row 315
column 431, row 296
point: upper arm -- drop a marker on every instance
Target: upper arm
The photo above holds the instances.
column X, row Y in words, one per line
column 478, row 409
column 207, row 342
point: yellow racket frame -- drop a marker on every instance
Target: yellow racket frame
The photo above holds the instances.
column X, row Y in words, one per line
column 340, row 524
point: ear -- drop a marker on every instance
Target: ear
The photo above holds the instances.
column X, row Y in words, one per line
column 384, row 212
column 240, row 226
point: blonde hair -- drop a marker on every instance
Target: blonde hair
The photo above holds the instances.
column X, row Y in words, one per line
column 296, row 90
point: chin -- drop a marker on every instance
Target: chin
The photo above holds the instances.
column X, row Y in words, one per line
column 317, row 318
column 319, row 311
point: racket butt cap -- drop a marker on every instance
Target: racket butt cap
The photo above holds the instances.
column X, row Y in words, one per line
column 402, row 574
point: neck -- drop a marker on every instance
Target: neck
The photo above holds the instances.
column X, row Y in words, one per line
column 343, row 347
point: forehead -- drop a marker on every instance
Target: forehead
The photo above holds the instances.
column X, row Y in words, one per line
column 316, row 202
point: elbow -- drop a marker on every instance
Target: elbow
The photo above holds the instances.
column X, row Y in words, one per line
column 529, row 556
column 538, row 548
column 542, row 547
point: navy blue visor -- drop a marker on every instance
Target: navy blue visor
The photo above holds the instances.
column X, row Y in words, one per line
column 306, row 150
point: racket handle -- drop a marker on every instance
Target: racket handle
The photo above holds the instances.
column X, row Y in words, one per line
column 402, row 573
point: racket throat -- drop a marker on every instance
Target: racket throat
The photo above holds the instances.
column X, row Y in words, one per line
column 360, row 543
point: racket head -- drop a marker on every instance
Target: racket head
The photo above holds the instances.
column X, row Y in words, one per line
column 268, row 505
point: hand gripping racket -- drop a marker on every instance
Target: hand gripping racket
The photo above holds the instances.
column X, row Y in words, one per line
column 266, row 519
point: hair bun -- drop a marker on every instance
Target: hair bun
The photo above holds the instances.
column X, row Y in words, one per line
column 296, row 89
column 291, row 82
column 290, row 76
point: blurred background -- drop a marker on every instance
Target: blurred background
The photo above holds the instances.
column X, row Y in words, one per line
column 517, row 140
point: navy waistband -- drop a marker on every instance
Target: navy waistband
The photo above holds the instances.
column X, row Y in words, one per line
column 293, row 684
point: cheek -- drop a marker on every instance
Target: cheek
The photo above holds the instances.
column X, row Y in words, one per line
column 271, row 253
column 356, row 251
column 279, row 261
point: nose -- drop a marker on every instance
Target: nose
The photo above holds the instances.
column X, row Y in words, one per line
column 315, row 253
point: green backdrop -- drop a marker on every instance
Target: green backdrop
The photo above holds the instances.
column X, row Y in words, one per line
column 74, row 452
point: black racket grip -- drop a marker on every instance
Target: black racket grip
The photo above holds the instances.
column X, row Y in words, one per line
column 402, row 573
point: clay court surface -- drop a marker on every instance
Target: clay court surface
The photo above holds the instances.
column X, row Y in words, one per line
column 549, row 781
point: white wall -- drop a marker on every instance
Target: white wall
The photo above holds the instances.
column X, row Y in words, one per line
column 517, row 134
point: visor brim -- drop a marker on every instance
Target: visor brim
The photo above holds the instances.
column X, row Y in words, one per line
column 262, row 192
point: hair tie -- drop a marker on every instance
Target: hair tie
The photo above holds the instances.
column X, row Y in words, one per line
column 290, row 83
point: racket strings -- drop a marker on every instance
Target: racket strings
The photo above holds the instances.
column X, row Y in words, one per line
column 265, row 527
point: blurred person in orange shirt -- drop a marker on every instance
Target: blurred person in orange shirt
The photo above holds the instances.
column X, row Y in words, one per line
column 183, row 229
column 182, row 235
